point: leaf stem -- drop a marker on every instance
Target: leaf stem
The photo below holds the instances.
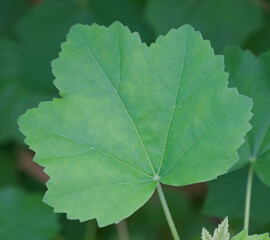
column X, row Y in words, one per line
column 167, row 212
column 248, row 197
column 90, row 230
column 122, row 230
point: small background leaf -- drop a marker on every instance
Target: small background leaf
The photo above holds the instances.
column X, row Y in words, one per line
column 18, row 213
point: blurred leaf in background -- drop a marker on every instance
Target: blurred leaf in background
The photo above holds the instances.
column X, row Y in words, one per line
column 251, row 76
column 224, row 23
column 24, row 216
column 260, row 40
column 227, row 195
column 128, row 12
column 10, row 12
column 8, row 172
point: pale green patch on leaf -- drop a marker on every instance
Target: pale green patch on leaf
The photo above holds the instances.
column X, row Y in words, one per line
column 132, row 115
column 19, row 212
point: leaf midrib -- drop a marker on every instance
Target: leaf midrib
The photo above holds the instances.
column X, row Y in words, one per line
column 117, row 95
column 175, row 99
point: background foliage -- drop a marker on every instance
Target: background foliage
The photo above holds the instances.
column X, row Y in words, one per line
column 30, row 36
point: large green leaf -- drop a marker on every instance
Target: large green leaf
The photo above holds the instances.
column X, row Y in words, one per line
column 131, row 116
column 251, row 76
column 227, row 197
column 24, row 216
column 223, row 22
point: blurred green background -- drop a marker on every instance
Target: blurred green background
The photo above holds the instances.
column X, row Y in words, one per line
column 31, row 32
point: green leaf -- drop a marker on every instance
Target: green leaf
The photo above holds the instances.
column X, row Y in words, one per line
column 226, row 197
column 130, row 116
column 223, row 22
column 128, row 12
column 259, row 42
column 10, row 13
column 243, row 236
column 220, row 233
column 206, row 235
column 7, row 170
column 23, row 216
column 16, row 94
column 25, row 76
column 251, row 76
column 40, row 33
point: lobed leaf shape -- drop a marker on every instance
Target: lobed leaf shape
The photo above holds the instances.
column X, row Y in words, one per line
column 251, row 76
column 132, row 115
column 222, row 233
column 24, row 216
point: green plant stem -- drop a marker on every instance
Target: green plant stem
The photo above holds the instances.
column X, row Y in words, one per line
column 248, row 197
column 90, row 231
column 167, row 212
column 122, row 230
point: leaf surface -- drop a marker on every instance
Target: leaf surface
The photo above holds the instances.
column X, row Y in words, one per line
column 18, row 213
column 243, row 236
column 251, row 76
column 131, row 115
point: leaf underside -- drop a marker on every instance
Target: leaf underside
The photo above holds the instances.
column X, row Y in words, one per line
column 132, row 115
column 220, row 233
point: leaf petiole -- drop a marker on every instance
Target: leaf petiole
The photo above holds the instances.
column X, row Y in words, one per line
column 248, row 197
column 167, row 212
